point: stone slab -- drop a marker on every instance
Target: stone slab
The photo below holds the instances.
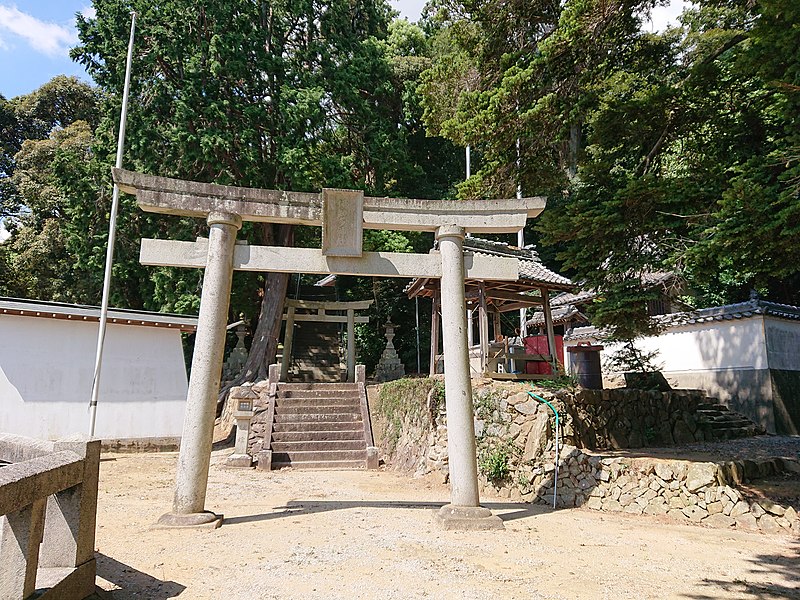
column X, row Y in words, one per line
column 166, row 253
column 264, row 460
column 201, row 520
column 239, row 461
column 467, row 518
column 342, row 222
column 195, row 199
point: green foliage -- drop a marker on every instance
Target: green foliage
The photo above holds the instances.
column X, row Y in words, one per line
column 485, row 402
column 404, row 401
column 563, row 381
column 674, row 151
column 631, row 358
column 494, row 460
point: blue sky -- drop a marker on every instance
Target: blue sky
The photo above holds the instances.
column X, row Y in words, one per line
column 36, row 35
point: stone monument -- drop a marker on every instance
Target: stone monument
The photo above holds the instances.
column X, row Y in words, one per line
column 390, row 367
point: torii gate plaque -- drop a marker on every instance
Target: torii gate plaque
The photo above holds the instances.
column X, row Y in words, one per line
column 342, row 214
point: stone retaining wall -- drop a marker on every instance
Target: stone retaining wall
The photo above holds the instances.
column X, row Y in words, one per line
column 623, row 418
column 515, row 439
column 699, row 492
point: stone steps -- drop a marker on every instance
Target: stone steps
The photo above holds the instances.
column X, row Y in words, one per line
column 347, row 417
column 318, row 426
column 344, row 465
column 310, row 436
column 721, row 423
column 317, row 445
column 295, row 426
column 315, row 353
column 317, row 407
column 317, row 456
column 299, row 395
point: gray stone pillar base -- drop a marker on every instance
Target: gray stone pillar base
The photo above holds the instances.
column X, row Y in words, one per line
column 467, row 518
column 239, row 461
column 264, row 460
column 372, row 458
column 200, row 520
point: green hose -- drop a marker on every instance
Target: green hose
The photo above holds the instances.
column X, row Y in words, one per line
column 555, row 412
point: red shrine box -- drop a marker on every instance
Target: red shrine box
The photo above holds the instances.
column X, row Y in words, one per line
column 537, row 344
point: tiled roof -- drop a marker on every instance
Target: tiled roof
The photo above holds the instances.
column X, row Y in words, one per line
column 561, row 314
column 530, row 266
column 579, row 297
column 79, row 312
column 727, row 312
column 649, row 280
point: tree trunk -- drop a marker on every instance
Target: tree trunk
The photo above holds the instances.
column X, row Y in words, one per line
column 265, row 338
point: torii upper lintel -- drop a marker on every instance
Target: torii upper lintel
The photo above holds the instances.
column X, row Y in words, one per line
column 195, row 199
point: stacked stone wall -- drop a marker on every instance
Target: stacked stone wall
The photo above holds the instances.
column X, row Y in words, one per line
column 516, row 455
column 697, row 492
column 623, row 418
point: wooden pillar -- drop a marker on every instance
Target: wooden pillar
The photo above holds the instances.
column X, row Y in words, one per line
column 498, row 329
column 288, row 339
column 434, row 330
column 551, row 337
column 351, row 345
column 483, row 327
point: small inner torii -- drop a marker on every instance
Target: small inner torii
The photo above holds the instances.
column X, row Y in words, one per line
column 342, row 214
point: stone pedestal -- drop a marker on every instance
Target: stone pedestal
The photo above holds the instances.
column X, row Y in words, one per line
column 240, row 458
column 390, row 367
column 467, row 518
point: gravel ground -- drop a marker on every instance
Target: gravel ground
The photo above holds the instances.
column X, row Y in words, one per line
column 364, row 535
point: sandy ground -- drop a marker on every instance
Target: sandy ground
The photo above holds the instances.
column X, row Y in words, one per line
column 348, row 535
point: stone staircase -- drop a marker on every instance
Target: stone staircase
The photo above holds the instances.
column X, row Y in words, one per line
column 320, row 426
column 721, row 423
column 315, row 353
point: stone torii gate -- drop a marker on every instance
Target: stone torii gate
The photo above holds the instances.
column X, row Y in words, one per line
column 342, row 214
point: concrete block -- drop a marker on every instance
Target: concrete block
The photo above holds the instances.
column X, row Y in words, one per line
column 372, row 458
column 20, row 536
column 239, row 461
column 264, row 460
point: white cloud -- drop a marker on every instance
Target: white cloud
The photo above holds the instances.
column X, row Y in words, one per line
column 48, row 38
column 89, row 12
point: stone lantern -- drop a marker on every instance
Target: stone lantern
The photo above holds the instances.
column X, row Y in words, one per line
column 390, row 367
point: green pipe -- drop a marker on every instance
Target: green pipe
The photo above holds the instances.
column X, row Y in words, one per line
column 555, row 412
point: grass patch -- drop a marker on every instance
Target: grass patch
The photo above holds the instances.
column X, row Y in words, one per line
column 405, row 401
column 494, row 460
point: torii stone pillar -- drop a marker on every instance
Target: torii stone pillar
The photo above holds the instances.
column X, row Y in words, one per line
column 188, row 508
column 464, row 510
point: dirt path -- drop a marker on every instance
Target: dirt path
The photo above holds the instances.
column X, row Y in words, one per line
column 353, row 535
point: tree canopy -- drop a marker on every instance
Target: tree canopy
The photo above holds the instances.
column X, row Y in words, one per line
column 670, row 151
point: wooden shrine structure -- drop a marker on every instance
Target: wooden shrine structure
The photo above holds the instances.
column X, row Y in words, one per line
column 490, row 299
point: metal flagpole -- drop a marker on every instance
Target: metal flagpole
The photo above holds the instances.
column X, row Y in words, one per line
column 523, row 313
column 416, row 305
column 112, row 234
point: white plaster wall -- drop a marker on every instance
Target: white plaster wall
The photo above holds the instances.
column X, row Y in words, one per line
column 46, row 369
column 783, row 343
column 721, row 345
